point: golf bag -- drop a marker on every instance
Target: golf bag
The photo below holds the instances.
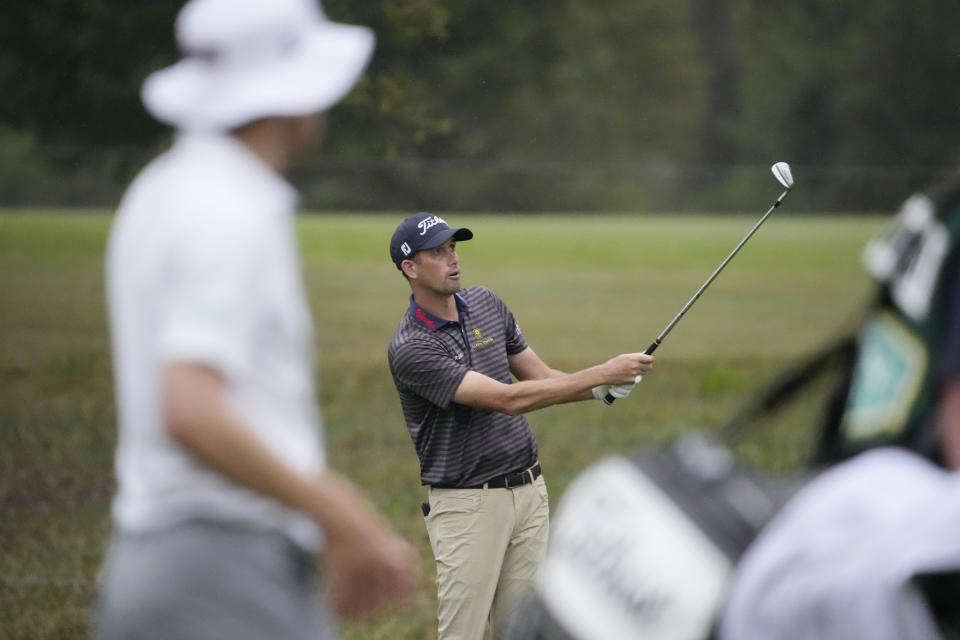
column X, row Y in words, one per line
column 893, row 389
column 643, row 545
column 885, row 388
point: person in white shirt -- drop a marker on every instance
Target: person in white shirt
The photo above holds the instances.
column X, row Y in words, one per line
column 224, row 497
column 867, row 549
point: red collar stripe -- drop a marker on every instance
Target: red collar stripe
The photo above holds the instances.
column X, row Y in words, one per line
column 422, row 317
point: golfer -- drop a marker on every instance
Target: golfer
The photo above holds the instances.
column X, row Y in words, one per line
column 224, row 497
column 452, row 358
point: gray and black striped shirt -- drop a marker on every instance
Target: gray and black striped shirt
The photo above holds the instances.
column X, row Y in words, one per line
column 459, row 445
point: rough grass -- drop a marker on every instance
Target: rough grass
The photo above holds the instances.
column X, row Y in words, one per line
column 582, row 287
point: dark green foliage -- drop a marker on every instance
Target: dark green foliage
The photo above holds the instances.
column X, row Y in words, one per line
column 532, row 105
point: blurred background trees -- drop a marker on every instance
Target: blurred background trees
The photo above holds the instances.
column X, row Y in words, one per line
column 560, row 105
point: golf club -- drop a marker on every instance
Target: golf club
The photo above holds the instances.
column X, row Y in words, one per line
column 781, row 171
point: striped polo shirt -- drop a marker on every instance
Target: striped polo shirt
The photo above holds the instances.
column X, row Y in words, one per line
column 459, row 445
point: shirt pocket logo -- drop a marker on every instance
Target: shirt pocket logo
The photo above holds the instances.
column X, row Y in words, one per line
column 480, row 340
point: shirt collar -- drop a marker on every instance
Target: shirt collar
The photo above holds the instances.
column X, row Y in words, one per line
column 430, row 321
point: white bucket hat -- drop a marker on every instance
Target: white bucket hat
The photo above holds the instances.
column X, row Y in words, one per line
column 248, row 59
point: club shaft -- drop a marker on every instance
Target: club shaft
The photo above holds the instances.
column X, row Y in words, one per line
column 696, row 296
column 609, row 399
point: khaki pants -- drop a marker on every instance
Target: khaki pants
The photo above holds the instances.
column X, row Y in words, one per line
column 488, row 544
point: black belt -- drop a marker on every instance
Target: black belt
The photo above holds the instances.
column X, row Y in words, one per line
column 508, row 481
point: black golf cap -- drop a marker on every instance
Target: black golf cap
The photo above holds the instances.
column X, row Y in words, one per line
column 422, row 231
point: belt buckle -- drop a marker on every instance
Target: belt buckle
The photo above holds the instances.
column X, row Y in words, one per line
column 522, row 478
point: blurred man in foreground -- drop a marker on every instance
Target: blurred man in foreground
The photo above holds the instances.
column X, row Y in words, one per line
column 224, row 496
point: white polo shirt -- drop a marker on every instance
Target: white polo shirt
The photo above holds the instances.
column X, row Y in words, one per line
column 203, row 267
column 839, row 560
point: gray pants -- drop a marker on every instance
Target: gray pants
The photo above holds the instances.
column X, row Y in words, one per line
column 207, row 580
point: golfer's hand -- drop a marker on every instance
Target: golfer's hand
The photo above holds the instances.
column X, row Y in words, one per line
column 600, row 391
column 617, row 391
column 624, row 369
column 623, row 390
column 367, row 565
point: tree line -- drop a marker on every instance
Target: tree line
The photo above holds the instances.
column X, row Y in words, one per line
column 536, row 104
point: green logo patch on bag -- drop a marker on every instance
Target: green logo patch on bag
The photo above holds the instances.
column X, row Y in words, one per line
column 887, row 378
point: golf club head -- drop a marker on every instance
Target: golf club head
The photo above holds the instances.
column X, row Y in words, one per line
column 781, row 172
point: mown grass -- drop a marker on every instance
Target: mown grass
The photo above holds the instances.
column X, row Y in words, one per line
column 583, row 288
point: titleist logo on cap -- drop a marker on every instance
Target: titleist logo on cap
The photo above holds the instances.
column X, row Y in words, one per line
column 426, row 223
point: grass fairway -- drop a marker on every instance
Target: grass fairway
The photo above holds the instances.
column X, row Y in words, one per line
column 583, row 288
